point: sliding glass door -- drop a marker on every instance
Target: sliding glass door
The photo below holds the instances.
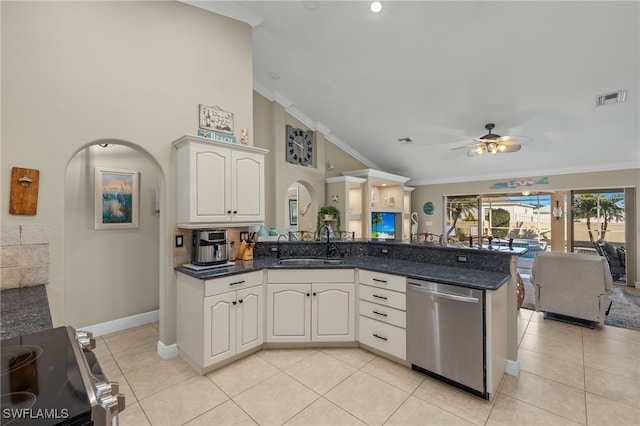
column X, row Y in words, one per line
column 598, row 220
column 500, row 217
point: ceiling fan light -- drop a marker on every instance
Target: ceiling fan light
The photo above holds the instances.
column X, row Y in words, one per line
column 501, row 147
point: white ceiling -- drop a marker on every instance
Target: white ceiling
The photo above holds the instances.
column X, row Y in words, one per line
column 438, row 71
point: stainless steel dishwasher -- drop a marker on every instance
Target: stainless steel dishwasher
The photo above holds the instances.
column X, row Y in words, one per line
column 445, row 334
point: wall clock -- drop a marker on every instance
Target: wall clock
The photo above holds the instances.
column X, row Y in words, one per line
column 299, row 146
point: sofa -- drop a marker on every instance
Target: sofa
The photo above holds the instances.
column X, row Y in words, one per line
column 572, row 284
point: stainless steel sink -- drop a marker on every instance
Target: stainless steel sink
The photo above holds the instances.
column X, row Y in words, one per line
column 310, row 261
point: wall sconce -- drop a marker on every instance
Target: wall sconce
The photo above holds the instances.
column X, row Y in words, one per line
column 557, row 211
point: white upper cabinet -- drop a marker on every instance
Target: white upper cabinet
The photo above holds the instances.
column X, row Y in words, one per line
column 219, row 183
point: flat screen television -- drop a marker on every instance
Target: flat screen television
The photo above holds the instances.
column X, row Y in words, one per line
column 383, row 225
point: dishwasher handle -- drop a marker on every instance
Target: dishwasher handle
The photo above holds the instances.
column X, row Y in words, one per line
column 457, row 298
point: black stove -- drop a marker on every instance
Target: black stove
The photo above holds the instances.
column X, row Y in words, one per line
column 52, row 378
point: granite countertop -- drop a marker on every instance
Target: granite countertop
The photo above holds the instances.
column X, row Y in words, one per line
column 24, row 310
column 472, row 278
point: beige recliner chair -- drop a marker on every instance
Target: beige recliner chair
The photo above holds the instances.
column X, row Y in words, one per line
column 572, row 284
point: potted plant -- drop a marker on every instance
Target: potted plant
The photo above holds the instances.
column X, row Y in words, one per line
column 329, row 213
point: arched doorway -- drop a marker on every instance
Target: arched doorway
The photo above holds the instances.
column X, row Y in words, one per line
column 111, row 274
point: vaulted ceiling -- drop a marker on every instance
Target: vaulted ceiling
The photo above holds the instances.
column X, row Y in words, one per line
column 437, row 71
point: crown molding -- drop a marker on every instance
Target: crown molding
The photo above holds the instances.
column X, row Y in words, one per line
column 230, row 9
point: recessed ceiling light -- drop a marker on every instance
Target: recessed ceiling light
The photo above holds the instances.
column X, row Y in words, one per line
column 376, row 7
column 312, row 5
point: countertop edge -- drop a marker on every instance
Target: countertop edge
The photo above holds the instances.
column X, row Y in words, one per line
column 464, row 277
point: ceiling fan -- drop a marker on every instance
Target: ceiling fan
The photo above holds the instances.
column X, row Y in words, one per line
column 495, row 144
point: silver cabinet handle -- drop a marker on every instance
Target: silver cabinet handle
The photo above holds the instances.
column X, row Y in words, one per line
column 455, row 297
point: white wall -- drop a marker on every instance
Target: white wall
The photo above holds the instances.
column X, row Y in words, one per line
column 78, row 72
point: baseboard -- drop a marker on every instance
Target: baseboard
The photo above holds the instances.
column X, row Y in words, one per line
column 512, row 368
column 122, row 323
column 167, row 352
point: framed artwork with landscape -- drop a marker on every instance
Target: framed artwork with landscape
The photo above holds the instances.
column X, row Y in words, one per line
column 116, row 198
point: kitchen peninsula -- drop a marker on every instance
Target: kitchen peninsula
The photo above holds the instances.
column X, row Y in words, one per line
column 358, row 299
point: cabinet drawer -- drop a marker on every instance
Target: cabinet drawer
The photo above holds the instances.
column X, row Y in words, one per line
column 232, row 282
column 311, row 276
column 379, row 279
column 383, row 313
column 384, row 297
column 384, row 337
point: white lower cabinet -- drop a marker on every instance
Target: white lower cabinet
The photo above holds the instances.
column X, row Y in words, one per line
column 215, row 321
column 233, row 323
column 383, row 317
column 299, row 310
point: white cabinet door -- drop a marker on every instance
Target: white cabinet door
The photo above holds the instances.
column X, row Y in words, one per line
column 219, row 327
column 211, row 181
column 247, row 186
column 333, row 312
column 288, row 312
column 249, row 323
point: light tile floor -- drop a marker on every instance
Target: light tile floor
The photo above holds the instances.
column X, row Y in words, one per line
column 569, row 376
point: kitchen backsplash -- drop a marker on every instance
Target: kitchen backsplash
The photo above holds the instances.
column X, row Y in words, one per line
column 182, row 255
column 24, row 255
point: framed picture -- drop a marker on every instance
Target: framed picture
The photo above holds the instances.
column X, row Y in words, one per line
column 213, row 118
column 116, row 198
column 293, row 212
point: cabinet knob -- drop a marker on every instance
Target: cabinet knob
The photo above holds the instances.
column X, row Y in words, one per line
column 307, row 294
column 235, row 211
column 314, row 293
column 228, row 211
column 234, row 302
column 240, row 301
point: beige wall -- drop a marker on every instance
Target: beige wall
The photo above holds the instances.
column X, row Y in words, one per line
column 124, row 263
column 270, row 124
column 74, row 73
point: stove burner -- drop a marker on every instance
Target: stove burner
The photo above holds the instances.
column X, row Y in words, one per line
column 16, row 401
column 16, row 357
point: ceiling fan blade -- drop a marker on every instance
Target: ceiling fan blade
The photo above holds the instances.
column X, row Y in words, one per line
column 464, row 147
column 474, row 153
column 510, row 148
column 522, row 140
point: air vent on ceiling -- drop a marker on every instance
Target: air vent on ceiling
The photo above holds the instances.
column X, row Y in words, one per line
column 611, row 98
column 405, row 140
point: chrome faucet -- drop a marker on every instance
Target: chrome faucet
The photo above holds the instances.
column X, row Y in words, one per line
column 331, row 249
column 324, row 226
column 278, row 246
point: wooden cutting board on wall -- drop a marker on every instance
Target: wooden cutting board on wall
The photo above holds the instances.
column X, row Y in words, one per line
column 24, row 191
